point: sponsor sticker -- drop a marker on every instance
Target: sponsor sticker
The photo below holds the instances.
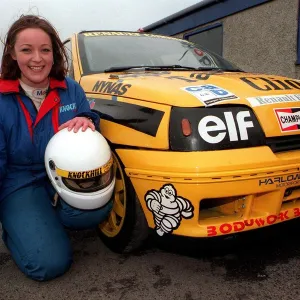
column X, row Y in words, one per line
column 116, row 33
column 265, row 100
column 168, row 208
column 232, row 227
column 213, row 129
column 85, row 174
column 109, row 87
column 92, row 102
column 210, row 94
column 281, row 181
column 68, row 107
column 205, row 59
column 288, row 118
column 199, row 52
column 39, row 93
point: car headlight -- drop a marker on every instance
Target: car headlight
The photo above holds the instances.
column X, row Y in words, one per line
column 214, row 128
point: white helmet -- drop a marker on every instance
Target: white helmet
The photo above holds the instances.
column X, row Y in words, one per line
column 80, row 167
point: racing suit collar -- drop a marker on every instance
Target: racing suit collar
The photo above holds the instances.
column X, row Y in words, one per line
column 13, row 86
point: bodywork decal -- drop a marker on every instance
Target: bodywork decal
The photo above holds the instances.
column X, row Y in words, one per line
column 233, row 227
column 167, row 208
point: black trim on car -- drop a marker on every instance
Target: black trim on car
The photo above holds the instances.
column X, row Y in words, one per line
column 140, row 118
column 283, row 143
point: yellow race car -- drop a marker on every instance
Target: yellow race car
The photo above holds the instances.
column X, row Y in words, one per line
column 201, row 148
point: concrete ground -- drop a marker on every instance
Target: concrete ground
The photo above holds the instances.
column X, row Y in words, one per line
column 263, row 264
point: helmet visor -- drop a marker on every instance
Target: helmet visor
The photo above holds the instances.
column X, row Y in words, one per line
column 89, row 185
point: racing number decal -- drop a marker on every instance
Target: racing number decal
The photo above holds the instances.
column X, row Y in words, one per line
column 167, row 208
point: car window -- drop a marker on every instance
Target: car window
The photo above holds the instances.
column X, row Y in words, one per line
column 68, row 47
column 102, row 52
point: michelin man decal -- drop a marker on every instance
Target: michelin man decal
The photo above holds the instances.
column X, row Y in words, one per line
column 167, row 208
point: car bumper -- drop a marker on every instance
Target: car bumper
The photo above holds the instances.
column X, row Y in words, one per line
column 229, row 191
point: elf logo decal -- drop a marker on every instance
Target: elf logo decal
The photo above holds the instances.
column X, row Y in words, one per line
column 69, row 107
column 213, row 129
column 110, row 87
column 210, row 94
column 167, row 208
column 288, row 119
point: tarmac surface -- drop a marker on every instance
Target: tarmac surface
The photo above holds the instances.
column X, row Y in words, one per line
column 262, row 264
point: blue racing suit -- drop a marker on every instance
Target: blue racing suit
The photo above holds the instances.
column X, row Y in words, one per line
column 33, row 230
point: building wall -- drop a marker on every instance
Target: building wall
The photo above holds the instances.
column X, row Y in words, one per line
column 263, row 39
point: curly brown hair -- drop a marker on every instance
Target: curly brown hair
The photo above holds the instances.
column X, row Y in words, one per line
column 9, row 67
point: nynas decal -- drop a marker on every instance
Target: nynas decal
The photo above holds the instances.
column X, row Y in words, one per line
column 109, row 87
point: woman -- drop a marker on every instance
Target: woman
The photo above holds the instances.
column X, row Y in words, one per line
column 33, row 91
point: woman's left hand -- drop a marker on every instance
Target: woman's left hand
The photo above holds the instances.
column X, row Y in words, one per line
column 77, row 123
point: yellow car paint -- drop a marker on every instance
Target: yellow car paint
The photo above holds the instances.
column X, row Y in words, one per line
column 208, row 193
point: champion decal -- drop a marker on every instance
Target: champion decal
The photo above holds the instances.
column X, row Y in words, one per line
column 288, row 118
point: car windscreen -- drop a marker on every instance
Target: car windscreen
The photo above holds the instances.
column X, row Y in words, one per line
column 101, row 51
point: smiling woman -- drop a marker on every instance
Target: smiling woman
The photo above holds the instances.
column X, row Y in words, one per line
column 34, row 55
column 36, row 94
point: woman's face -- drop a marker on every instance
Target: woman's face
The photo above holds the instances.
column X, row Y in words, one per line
column 34, row 55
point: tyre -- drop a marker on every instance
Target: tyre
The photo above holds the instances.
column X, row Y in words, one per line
column 126, row 228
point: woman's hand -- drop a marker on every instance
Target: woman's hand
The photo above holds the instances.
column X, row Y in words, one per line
column 77, row 123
